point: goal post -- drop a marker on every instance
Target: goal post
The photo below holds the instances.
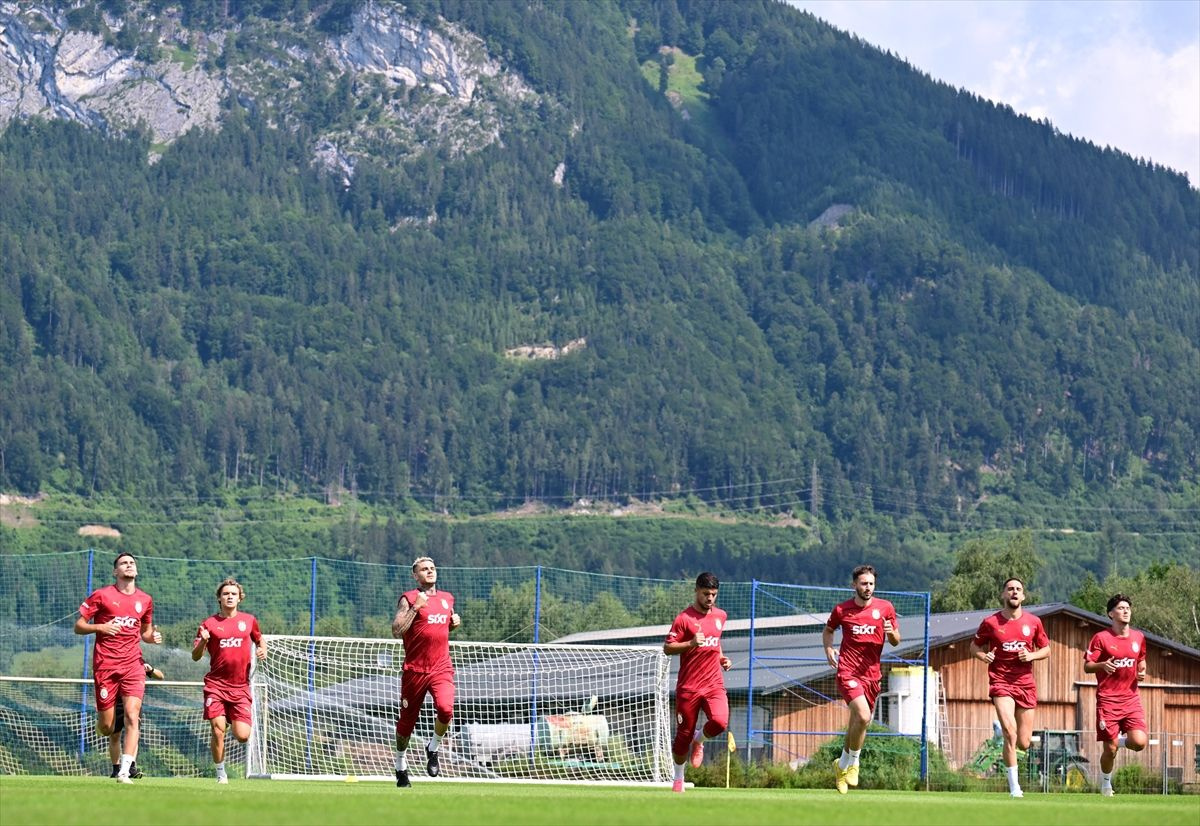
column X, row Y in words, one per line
column 326, row 708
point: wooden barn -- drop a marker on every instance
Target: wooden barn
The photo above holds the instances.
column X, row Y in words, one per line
column 797, row 708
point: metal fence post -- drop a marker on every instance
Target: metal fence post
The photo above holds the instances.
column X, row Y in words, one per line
column 750, row 674
column 312, row 661
column 83, row 688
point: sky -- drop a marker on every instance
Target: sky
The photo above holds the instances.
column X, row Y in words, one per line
column 1119, row 73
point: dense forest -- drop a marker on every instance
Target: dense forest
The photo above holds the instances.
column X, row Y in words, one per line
column 999, row 330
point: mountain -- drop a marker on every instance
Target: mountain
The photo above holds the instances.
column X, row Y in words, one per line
column 459, row 256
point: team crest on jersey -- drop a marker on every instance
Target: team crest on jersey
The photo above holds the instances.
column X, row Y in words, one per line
column 445, row 605
column 874, row 613
column 1025, row 630
column 104, row 694
column 1136, row 648
column 241, row 625
column 719, row 626
column 137, row 606
column 679, row 719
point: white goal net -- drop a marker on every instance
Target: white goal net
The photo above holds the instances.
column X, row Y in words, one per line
column 48, row 726
column 326, row 707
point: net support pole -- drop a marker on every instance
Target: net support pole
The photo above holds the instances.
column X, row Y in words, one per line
column 925, row 701
column 83, row 688
column 312, row 661
column 533, row 689
column 750, row 674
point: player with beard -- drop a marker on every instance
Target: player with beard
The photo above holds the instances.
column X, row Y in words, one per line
column 1010, row 641
column 1117, row 656
column 122, row 618
column 695, row 637
column 865, row 622
column 424, row 619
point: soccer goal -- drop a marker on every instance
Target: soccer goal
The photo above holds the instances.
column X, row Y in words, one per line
column 326, row 708
column 48, row 726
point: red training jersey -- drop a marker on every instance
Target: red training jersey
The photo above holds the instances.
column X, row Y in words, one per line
column 699, row 668
column 427, row 640
column 131, row 612
column 1007, row 638
column 862, row 635
column 229, row 650
column 1128, row 653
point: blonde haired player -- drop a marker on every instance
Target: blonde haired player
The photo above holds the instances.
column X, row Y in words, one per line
column 424, row 619
column 227, row 636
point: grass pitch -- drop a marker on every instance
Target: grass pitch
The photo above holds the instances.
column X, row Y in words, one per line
column 41, row 801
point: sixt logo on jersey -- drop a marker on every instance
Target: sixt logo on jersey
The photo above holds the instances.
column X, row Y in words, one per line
column 1014, row 645
column 1125, row 662
column 863, row 629
column 127, row 622
column 232, row 642
column 710, row 642
column 437, row 619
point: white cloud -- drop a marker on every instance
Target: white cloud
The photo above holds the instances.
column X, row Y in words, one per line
column 1122, row 74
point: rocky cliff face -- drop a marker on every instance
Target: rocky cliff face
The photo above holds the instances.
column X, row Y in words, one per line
column 410, row 87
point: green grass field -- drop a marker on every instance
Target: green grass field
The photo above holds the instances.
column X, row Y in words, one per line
column 35, row 801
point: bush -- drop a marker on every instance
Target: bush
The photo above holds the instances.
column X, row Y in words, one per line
column 886, row 763
column 1135, row 778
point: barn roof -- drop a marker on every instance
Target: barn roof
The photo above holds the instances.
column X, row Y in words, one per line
column 784, row 658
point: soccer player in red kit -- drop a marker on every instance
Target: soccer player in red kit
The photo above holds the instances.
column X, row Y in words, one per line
column 122, row 618
column 424, row 619
column 1117, row 656
column 865, row 622
column 1010, row 641
column 227, row 636
column 695, row 637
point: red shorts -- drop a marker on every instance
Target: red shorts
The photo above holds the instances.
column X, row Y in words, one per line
column 414, row 685
column 688, row 705
column 850, row 686
column 1025, row 696
column 111, row 683
column 234, row 708
column 1112, row 721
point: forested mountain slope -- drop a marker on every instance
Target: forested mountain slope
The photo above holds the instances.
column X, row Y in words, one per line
column 1002, row 327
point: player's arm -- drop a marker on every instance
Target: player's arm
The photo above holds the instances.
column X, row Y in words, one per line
column 673, row 646
column 980, row 649
column 84, row 624
column 1033, row 656
column 200, row 643
column 831, row 655
column 260, row 645
column 891, row 628
column 1094, row 660
column 405, row 614
column 672, row 649
column 1106, row 666
column 1039, row 638
column 151, row 634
